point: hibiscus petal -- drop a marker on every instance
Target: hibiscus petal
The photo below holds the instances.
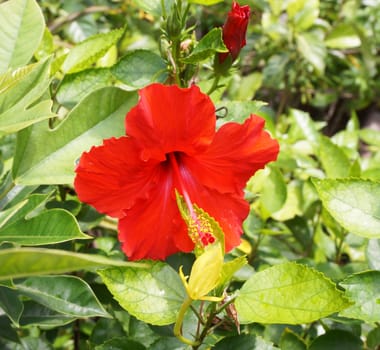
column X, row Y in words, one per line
column 111, row 177
column 236, row 153
column 168, row 119
column 153, row 227
column 228, row 209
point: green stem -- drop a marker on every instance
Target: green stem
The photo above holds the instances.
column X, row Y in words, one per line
column 178, row 324
column 214, row 85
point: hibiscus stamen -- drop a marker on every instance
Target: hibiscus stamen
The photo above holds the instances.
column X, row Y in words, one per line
column 199, row 228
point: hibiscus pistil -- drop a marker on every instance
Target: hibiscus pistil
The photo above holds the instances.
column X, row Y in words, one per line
column 199, row 228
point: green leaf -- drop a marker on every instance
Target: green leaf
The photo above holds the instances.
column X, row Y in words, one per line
column 22, row 28
column 25, row 262
column 51, row 226
column 139, row 68
column 86, row 53
column 19, row 91
column 239, row 111
column 310, row 45
column 370, row 136
column 121, row 343
column 205, row 2
column 7, row 331
column 354, row 203
column 306, row 125
column 372, row 253
column 69, row 295
column 152, row 295
column 230, row 268
column 74, row 87
column 334, row 161
column 153, row 7
column 343, row 36
column 274, row 191
column 244, row 342
column 211, row 43
column 364, row 289
column 35, row 314
column 337, row 339
column 11, row 304
column 288, row 293
column 98, row 116
column 291, row 341
column 303, row 13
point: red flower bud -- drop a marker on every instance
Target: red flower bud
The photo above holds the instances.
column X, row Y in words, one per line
column 234, row 31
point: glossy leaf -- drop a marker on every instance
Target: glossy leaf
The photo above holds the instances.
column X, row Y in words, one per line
column 11, row 304
column 35, row 314
column 210, row 44
column 354, row 203
column 52, row 226
column 7, row 331
column 120, row 344
column 152, row 295
column 364, row 289
column 288, row 293
column 337, row 339
column 291, row 341
column 25, row 262
column 139, row 68
column 86, row 53
column 69, row 295
column 244, row 342
column 100, row 115
column 22, row 27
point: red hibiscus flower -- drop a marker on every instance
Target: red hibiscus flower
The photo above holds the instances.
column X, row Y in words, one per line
column 234, row 31
column 172, row 144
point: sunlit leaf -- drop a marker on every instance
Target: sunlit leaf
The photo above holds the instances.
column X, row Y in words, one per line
column 364, row 289
column 22, row 27
column 312, row 48
column 334, row 161
column 343, row 36
column 19, row 94
column 354, row 203
column 86, row 53
column 372, row 252
column 288, row 293
column 152, row 295
column 99, row 116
